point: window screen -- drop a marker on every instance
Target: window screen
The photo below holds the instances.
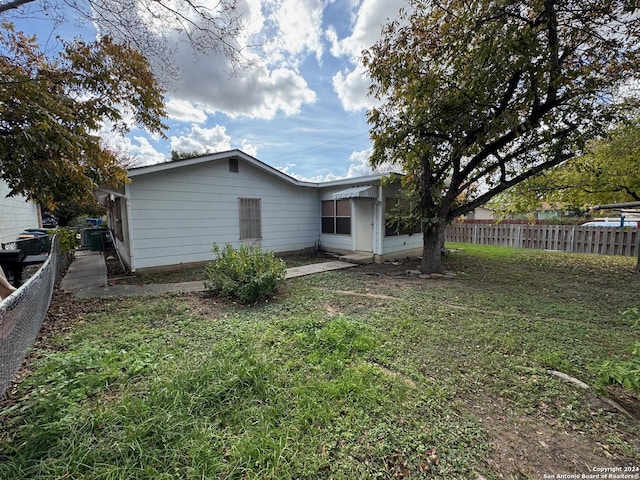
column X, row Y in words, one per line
column 250, row 224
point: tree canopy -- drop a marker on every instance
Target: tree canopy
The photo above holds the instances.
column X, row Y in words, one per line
column 608, row 173
column 51, row 112
column 478, row 96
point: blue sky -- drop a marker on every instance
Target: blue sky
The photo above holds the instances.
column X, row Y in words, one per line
column 300, row 108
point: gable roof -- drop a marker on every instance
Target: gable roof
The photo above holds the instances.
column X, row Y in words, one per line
column 216, row 157
column 240, row 155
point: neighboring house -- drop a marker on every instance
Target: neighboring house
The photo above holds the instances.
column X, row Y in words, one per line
column 16, row 214
column 171, row 213
column 480, row 213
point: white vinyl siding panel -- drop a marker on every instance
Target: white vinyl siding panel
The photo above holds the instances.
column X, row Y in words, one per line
column 16, row 214
column 177, row 215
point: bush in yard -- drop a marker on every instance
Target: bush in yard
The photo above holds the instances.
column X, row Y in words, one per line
column 67, row 240
column 625, row 373
column 246, row 273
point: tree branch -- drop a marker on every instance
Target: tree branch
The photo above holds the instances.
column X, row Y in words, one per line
column 13, row 5
column 484, row 198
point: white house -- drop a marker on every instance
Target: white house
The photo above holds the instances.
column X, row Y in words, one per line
column 16, row 214
column 171, row 213
column 481, row 213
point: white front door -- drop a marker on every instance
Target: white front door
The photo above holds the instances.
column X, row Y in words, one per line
column 363, row 209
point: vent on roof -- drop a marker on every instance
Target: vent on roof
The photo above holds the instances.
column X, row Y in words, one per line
column 233, row 165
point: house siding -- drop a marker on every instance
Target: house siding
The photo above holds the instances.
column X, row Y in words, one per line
column 177, row 215
column 16, row 214
column 402, row 244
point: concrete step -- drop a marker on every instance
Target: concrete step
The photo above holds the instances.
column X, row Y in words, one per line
column 357, row 258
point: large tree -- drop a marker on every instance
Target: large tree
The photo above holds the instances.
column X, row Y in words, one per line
column 52, row 108
column 478, row 96
column 608, row 173
column 51, row 112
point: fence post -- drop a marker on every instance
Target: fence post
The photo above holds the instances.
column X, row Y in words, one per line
column 637, row 252
column 572, row 239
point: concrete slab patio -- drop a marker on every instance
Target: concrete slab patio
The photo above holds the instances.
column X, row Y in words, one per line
column 87, row 277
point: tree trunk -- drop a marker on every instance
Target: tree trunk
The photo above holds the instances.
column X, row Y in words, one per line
column 432, row 245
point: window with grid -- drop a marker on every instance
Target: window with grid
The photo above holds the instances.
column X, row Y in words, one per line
column 250, row 224
column 336, row 217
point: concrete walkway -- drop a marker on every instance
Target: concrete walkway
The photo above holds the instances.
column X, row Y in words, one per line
column 87, row 277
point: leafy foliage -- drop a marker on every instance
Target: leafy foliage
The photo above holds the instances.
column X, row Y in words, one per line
column 625, row 373
column 180, row 155
column 479, row 96
column 67, row 240
column 246, row 273
column 608, row 173
column 51, row 110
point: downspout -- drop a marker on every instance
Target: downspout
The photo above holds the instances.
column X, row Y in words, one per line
column 378, row 228
column 130, row 229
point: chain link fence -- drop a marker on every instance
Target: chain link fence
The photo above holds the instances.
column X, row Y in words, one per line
column 22, row 313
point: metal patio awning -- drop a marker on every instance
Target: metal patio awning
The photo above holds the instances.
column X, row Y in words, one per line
column 363, row 191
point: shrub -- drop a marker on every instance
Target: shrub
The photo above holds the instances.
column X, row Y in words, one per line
column 246, row 273
column 67, row 240
column 625, row 373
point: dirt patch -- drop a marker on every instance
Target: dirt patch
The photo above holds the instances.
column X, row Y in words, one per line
column 332, row 310
column 207, row 305
column 627, row 400
column 377, row 296
column 530, row 447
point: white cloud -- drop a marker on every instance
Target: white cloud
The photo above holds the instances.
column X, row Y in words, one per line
column 209, row 140
column 202, row 140
column 352, row 87
column 285, row 31
column 185, row 111
column 260, row 93
column 299, row 23
column 352, row 84
column 369, row 20
column 360, row 165
column 249, row 149
column 143, row 153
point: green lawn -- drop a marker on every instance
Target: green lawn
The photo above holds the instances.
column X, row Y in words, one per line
column 361, row 373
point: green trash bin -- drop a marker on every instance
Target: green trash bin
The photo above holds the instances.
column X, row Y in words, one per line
column 95, row 241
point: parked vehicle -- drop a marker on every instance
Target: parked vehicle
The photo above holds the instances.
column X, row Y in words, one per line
column 49, row 221
column 612, row 223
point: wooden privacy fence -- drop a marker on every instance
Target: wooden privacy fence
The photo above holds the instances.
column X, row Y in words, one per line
column 567, row 238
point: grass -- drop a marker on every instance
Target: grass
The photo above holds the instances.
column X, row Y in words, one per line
column 321, row 384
